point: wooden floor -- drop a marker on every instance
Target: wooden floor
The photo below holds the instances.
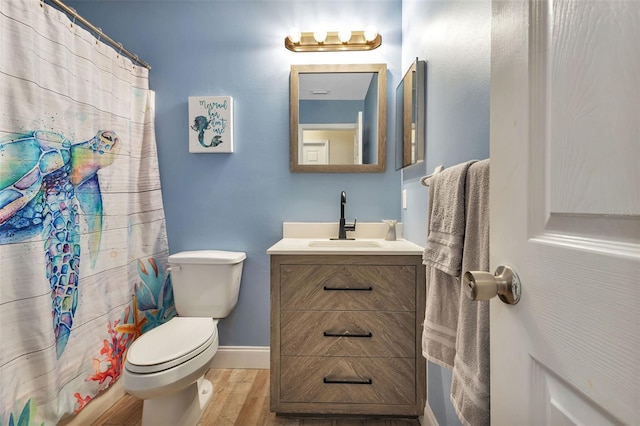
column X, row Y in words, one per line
column 240, row 398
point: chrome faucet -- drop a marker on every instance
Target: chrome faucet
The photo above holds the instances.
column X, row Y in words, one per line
column 342, row 230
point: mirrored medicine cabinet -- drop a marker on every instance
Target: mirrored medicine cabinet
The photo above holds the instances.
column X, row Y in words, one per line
column 411, row 116
column 338, row 118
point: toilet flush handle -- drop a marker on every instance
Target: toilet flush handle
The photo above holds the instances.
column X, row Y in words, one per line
column 176, row 268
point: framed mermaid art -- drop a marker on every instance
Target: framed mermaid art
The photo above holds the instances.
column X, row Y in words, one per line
column 211, row 124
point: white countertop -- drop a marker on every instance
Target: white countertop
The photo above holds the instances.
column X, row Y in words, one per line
column 315, row 238
column 302, row 246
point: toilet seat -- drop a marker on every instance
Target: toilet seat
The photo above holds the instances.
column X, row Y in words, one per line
column 171, row 344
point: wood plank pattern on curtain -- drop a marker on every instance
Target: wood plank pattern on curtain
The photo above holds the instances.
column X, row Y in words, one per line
column 83, row 245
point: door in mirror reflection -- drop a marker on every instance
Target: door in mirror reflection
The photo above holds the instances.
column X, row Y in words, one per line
column 336, row 143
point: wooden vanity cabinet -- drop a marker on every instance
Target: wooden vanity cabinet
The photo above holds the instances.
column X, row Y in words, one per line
column 346, row 334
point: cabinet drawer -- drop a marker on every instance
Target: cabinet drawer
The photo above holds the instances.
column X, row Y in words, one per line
column 347, row 333
column 348, row 287
column 348, row 380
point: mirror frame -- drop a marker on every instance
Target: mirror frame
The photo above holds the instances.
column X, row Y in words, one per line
column 294, row 96
column 410, row 115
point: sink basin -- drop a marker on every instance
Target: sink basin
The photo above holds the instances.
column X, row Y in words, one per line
column 344, row 243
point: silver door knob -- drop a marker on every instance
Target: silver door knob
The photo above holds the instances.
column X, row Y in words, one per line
column 504, row 283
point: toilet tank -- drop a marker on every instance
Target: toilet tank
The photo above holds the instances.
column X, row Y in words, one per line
column 206, row 283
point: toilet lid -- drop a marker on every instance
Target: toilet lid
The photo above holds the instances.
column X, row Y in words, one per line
column 171, row 343
column 217, row 257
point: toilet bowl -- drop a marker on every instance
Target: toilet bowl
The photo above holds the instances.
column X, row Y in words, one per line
column 165, row 366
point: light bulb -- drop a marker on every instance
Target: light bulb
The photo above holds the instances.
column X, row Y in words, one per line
column 320, row 35
column 294, row 35
column 370, row 33
column 344, row 35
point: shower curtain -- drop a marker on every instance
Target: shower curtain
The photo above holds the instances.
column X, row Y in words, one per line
column 83, row 244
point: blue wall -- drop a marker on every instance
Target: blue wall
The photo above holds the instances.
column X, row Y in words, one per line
column 327, row 112
column 454, row 37
column 238, row 201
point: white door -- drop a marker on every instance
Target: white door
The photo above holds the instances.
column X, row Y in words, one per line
column 565, row 211
column 357, row 140
column 315, row 152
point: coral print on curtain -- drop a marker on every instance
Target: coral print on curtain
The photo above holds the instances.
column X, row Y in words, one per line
column 83, row 244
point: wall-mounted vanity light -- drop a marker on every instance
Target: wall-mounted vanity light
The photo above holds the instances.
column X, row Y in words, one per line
column 332, row 41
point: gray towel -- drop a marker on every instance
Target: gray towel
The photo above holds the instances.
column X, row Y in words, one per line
column 441, row 318
column 446, row 219
column 470, row 381
column 443, row 259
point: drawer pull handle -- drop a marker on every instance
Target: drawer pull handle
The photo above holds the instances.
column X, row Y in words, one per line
column 347, row 334
column 348, row 288
column 348, row 382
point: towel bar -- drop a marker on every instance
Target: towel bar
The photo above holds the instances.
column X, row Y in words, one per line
column 425, row 180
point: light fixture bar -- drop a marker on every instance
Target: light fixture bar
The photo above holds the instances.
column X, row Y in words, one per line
column 332, row 43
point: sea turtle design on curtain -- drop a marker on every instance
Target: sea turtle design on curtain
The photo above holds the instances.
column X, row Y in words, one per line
column 44, row 178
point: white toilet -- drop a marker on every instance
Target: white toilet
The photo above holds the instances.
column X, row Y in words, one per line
column 165, row 366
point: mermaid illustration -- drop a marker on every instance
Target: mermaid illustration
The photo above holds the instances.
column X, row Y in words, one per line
column 200, row 124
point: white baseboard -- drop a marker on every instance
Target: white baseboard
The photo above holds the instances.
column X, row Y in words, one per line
column 428, row 419
column 250, row 357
